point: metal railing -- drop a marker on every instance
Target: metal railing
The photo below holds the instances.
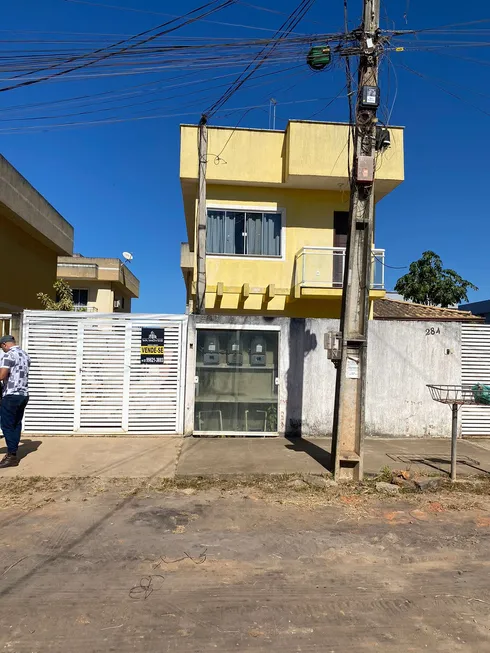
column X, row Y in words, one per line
column 83, row 308
column 323, row 267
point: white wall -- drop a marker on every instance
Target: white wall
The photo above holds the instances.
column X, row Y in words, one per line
column 403, row 357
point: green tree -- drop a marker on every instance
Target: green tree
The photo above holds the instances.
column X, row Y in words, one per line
column 63, row 301
column 427, row 282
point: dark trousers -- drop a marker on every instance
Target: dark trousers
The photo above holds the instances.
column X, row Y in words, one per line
column 11, row 413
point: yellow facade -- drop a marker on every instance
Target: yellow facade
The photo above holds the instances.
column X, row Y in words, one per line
column 33, row 235
column 108, row 283
column 102, row 297
column 301, row 173
column 29, row 268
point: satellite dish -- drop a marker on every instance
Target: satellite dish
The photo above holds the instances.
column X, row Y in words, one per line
column 128, row 257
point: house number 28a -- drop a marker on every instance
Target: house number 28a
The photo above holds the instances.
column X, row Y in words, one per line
column 432, row 331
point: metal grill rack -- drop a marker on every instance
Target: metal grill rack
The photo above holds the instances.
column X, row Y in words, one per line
column 454, row 396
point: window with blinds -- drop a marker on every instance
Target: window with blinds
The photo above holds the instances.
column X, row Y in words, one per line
column 241, row 233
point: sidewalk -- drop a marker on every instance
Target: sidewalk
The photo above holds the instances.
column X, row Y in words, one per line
column 160, row 457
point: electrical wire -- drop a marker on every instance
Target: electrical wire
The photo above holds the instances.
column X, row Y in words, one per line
column 273, row 11
column 460, row 58
column 286, row 28
column 218, row 157
column 440, row 27
column 174, row 56
column 337, row 97
column 388, row 120
column 205, row 10
column 443, row 89
column 158, row 13
column 131, row 38
column 194, row 56
column 391, row 267
column 28, row 129
column 349, row 85
column 151, row 101
column 458, row 85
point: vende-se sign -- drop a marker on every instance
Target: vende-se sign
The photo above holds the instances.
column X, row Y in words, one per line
column 152, row 346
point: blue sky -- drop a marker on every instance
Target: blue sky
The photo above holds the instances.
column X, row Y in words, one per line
column 118, row 183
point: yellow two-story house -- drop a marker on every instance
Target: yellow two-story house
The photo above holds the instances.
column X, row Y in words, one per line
column 277, row 216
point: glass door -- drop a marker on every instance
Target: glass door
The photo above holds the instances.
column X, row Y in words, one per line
column 236, row 381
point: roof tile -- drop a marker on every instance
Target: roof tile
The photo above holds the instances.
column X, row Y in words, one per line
column 392, row 309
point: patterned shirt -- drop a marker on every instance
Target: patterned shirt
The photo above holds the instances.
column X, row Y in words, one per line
column 17, row 362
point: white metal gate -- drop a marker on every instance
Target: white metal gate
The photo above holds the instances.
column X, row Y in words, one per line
column 475, row 368
column 87, row 377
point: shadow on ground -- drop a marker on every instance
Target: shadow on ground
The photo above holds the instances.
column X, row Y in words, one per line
column 26, row 447
column 320, row 455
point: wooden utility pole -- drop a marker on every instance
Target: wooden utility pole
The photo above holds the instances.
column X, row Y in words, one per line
column 350, row 393
column 202, row 219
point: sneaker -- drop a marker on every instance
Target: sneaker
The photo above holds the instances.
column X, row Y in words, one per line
column 9, row 460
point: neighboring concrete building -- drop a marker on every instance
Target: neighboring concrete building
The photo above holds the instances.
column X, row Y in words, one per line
column 482, row 309
column 33, row 235
column 103, row 285
column 277, row 205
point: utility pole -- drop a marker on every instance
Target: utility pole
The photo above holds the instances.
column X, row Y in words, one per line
column 202, row 219
column 350, row 392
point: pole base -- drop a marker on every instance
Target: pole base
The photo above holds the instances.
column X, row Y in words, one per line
column 348, row 467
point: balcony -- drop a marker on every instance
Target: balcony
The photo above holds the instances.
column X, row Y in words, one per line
column 323, row 268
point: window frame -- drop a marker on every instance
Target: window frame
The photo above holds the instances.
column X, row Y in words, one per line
column 80, row 290
column 252, row 209
column 227, row 326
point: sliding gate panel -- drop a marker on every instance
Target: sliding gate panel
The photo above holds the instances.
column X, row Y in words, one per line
column 87, row 374
column 52, row 347
column 102, row 376
column 155, row 393
column 475, row 363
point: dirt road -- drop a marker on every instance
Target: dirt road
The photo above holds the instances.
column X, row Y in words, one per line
column 197, row 571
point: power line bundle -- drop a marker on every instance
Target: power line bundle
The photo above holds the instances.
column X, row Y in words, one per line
column 179, row 75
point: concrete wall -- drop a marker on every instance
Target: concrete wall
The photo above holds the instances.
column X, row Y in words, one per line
column 403, row 358
column 307, row 154
column 31, row 212
column 316, row 150
column 29, row 267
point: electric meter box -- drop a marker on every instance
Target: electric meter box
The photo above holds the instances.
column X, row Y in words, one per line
column 258, row 356
column 370, row 97
column 365, row 169
column 235, row 354
column 211, row 350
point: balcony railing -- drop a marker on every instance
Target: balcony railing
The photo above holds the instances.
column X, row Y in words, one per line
column 83, row 308
column 323, row 267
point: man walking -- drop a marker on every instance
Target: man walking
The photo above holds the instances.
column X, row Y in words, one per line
column 14, row 374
